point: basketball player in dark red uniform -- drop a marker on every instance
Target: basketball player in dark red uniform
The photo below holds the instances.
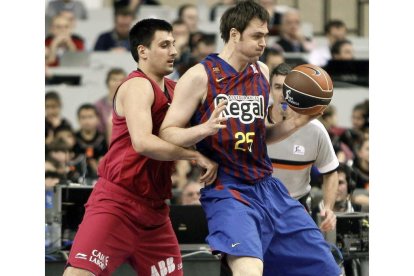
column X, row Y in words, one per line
column 252, row 220
column 126, row 217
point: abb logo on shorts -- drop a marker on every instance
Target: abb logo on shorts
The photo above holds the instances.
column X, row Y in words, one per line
column 165, row 267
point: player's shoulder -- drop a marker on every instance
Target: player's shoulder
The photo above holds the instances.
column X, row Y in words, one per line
column 196, row 74
column 263, row 67
column 130, row 86
column 135, row 82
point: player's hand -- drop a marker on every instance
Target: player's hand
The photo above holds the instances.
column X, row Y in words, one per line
column 210, row 168
column 213, row 125
column 329, row 222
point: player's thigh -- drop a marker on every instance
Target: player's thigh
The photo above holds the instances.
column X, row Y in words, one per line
column 73, row 271
column 157, row 252
column 245, row 266
column 300, row 253
column 102, row 243
column 234, row 226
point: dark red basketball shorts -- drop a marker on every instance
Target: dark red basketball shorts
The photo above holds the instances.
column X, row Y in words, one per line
column 118, row 229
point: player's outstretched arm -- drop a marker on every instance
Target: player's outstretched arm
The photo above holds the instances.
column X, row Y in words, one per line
column 284, row 129
column 134, row 100
column 189, row 93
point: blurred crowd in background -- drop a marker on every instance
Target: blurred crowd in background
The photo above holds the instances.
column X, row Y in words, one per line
column 75, row 147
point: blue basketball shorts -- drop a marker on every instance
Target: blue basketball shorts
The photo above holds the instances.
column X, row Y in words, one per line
column 264, row 222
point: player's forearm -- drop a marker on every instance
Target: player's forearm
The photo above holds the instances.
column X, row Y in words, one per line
column 158, row 149
column 330, row 187
column 183, row 137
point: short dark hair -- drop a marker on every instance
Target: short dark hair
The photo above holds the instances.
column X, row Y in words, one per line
column 336, row 47
column 63, row 128
column 335, row 23
column 114, row 71
column 350, row 176
column 87, row 106
column 282, row 69
column 182, row 8
column 178, row 21
column 58, row 145
column 124, row 11
column 208, row 39
column 53, row 95
column 142, row 33
column 239, row 16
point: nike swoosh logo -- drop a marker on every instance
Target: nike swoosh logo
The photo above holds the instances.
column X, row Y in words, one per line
column 219, row 80
column 317, row 73
column 234, row 244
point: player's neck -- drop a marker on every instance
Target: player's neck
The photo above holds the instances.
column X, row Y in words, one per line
column 230, row 55
column 153, row 76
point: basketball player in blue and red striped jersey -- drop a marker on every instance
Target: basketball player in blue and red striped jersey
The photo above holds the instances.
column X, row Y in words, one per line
column 253, row 222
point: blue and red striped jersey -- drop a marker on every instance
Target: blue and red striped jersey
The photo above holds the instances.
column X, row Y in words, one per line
column 240, row 149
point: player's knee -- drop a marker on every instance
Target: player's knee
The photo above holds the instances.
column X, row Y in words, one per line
column 245, row 266
column 73, row 271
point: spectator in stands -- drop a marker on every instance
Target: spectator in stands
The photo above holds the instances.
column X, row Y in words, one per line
column 117, row 39
column 77, row 7
column 360, row 116
column 329, row 120
column 291, row 38
column 356, row 134
column 213, row 9
column 60, row 154
column 334, row 30
column 70, row 16
column 66, row 134
column 61, row 40
column 361, row 164
column 133, row 5
column 342, row 50
column 346, row 185
column 114, row 78
column 189, row 14
column 51, row 179
column 361, row 169
column 273, row 56
column 89, row 141
column 48, row 74
column 50, row 164
column 190, row 194
column 181, row 34
column 275, row 17
column 203, row 46
column 53, row 116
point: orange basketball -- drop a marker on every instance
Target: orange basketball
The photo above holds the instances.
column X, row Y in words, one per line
column 308, row 89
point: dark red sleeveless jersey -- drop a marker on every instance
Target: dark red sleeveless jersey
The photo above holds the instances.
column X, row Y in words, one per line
column 123, row 166
column 240, row 149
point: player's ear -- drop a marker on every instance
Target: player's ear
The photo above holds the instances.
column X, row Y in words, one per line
column 142, row 52
column 234, row 35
